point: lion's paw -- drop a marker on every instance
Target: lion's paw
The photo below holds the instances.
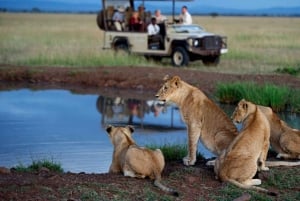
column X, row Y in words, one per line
column 187, row 161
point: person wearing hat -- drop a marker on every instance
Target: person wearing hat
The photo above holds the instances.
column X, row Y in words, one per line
column 142, row 13
column 119, row 19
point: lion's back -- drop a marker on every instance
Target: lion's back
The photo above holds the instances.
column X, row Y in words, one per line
column 144, row 160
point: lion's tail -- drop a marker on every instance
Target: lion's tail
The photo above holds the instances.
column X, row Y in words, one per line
column 281, row 163
column 165, row 188
column 243, row 186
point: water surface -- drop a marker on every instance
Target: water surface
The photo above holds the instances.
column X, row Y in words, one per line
column 70, row 128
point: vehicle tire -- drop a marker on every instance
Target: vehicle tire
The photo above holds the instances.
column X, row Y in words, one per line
column 121, row 48
column 100, row 21
column 211, row 60
column 180, row 57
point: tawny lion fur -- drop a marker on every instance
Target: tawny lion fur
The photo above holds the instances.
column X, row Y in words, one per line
column 134, row 161
column 239, row 163
column 284, row 140
column 204, row 119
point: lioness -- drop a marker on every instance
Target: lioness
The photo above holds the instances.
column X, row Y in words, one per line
column 204, row 119
column 284, row 139
column 239, row 163
column 134, row 161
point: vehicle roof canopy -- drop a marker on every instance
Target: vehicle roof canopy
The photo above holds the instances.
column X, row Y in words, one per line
column 131, row 3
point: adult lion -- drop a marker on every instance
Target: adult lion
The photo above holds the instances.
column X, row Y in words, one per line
column 239, row 163
column 284, row 139
column 134, row 161
column 204, row 119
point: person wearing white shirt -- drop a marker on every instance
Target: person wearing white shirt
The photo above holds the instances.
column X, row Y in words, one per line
column 159, row 17
column 185, row 17
column 154, row 32
column 153, row 28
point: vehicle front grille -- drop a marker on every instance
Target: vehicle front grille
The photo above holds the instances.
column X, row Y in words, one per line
column 212, row 43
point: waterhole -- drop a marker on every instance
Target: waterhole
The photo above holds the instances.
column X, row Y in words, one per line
column 69, row 128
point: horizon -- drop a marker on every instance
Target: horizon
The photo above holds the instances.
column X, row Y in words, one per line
column 288, row 7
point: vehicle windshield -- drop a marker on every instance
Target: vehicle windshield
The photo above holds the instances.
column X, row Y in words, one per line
column 188, row 28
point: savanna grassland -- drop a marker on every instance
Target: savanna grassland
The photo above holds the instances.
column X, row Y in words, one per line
column 256, row 44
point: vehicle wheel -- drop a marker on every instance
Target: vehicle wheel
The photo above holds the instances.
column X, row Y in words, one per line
column 180, row 57
column 122, row 48
column 211, row 60
column 100, row 22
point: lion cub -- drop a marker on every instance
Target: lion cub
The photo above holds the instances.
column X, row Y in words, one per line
column 204, row 119
column 135, row 161
column 284, row 139
column 239, row 163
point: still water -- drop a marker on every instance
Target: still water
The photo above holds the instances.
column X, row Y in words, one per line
column 70, row 128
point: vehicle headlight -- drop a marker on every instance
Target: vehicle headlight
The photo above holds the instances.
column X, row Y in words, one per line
column 196, row 43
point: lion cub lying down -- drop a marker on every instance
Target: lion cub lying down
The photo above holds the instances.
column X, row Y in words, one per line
column 284, row 139
column 204, row 119
column 135, row 161
column 238, row 164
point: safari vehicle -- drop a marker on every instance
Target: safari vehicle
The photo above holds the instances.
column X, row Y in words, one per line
column 181, row 43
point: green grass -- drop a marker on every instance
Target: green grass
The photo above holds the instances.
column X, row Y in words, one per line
column 289, row 70
column 279, row 98
column 286, row 181
column 172, row 152
column 38, row 164
column 256, row 44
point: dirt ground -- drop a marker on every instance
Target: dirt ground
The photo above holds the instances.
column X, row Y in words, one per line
column 193, row 183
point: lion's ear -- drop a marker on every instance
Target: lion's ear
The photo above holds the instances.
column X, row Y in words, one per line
column 245, row 105
column 109, row 128
column 176, row 80
column 131, row 128
column 166, row 77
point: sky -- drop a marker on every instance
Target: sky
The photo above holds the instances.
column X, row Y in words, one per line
column 195, row 6
column 237, row 4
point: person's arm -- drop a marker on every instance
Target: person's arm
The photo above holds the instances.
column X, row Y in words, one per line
column 189, row 19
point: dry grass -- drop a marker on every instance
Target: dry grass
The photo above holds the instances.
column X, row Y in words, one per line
column 256, row 44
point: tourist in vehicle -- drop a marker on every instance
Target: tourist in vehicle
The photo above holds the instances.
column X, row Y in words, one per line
column 118, row 19
column 159, row 17
column 135, row 23
column 142, row 12
column 154, row 32
column 185, row 17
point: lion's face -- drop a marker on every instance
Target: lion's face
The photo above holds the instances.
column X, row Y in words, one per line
column 241, row 111
column 169, row 89
column 120, row 135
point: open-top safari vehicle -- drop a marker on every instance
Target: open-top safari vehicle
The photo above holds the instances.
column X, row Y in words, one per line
column 181, row 43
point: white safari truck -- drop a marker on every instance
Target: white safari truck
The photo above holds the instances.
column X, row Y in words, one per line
column 181, row 43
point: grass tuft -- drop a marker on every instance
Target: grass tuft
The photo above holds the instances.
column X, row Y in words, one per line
column 279, row 98
column 172, row 152
column 38, row 164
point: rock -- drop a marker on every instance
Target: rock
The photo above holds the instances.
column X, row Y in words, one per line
column 4, row 170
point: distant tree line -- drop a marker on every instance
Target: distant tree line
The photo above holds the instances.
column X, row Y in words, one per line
column 212, row 14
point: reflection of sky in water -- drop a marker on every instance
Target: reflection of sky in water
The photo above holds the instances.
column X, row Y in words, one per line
column 66, row 127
